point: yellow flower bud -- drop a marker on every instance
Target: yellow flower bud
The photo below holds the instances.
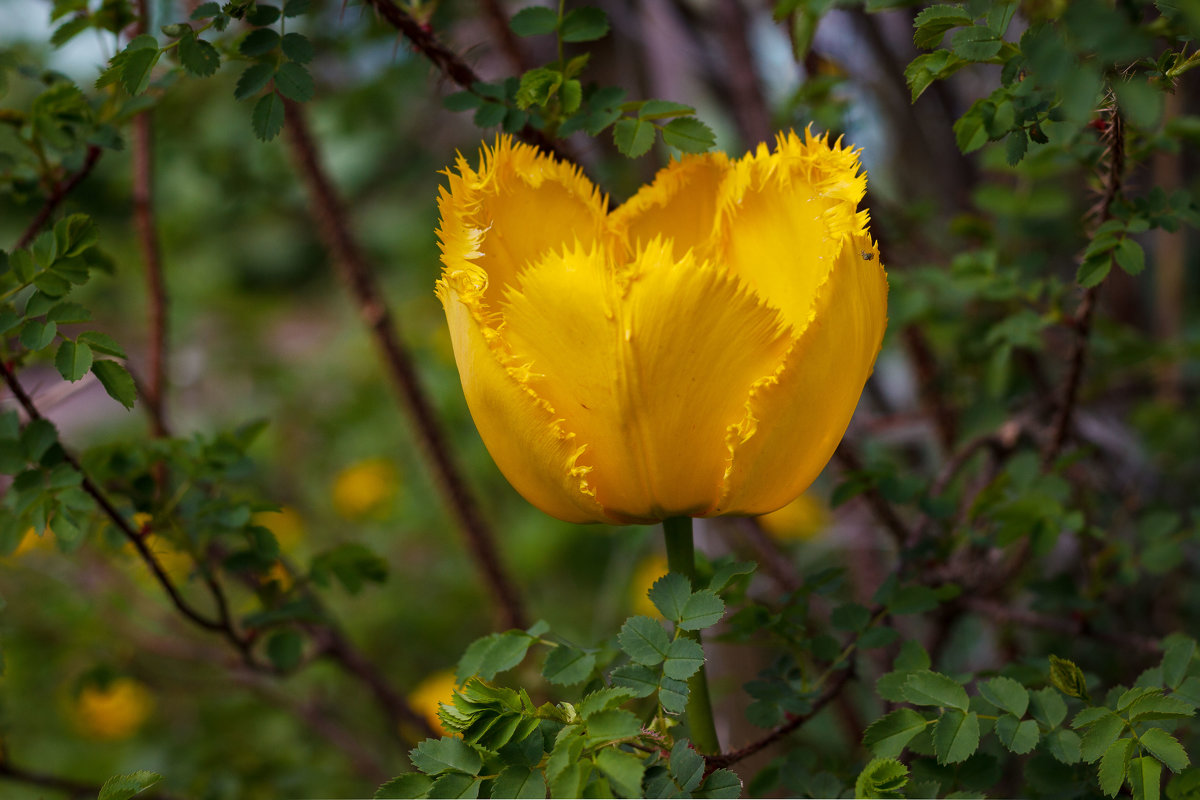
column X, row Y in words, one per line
column 697, row 351
column 113, row 711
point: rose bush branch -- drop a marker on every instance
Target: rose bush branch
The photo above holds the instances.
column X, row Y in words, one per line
column 58, row 194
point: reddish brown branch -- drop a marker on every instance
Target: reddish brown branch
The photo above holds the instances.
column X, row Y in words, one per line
column 945, row 420
column 359, row 278
column 880, row 507
column 61, row 190
column 732, row 757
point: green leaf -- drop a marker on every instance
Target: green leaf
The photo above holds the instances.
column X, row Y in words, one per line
column 37, row 437
column 490, row 114
column 702, row 610
column 1177, row 657
column 1130, row 256
column 519, row 782
column 933, row 22
column 297, row 47
column 688, row 135
column 294, row 82
column 584, row 24
column 263, row 14
column 887, row 736
column 570, row 782
column 1064, row 745
column 925, row 688
column 644, row 640
column 534, row 21
column 1166, row 748
column 73, row 360
column 928, row 67
column 494, row 653
column 408, row 785
column 1157, row 706
column 295, row 8
column 1114, row 765
column 567, row 749
column 850, row 617
column 1068, row 678
column 687, row 766
column 955, row 736
column 1007, row 694
column 1017, row 736
column 100, row 343
column 353, row 565
column 976, row 43
column 1048, row 707
column 285, row 649
column 36, row 335
column 624, row 770
column 673, row 695
column 435, row 756
column 1145, row 778
column 567, row 666
column 123, row 787
column 670, row 594
column 51, row 283
column 67, row 313
column 1099, row 736
column 206, row 10
column 684, row 659
column 455, row 785
column 663, row 109
column 882, row 778
column 726, row 572
column 253, row 80
column 604, row 699
column 633, row 137
column 1015, row 147
column 267, row 117
column 721, row 783
column 198, row 57
column 116, row 381
column 136, row 67
column 636, row 678
column 461, row 101
column 1093, row 270
column 612, row 725
column 259, row 42
column 969, row 131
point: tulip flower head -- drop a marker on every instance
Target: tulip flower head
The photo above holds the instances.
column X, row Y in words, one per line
column 697, row 351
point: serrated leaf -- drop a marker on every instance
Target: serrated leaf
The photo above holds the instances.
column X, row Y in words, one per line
column 1130, row 256
column 408, row 785
column 1166, row 748
column 296, row 8
column 461, row 101
column 567, row 666
column 123, row 787
column 933, row 22
column 1007, row 694
column 1017, row 736
column 116, row 381
column 604, row 699
column 1015, row 147
column 267, row 117
column 1048, row 707
column 294, row 82
column 447, row 754
column 721, row 783
column 636, row 678
column 887, row 736
column 490, row 114
column 1155, row 705
column 297, row 47
column 662, row 109
column 955, row 736
column 206, row 10
column 136, row 67
column 611, row 725
column 455, row 785
column 67, row 313
column 975, row 43
column 673, row 695
column 1177, row 657
column 1093, row 271
column 259, row 42
column 1064, row 745
column 492, row 654
column 584, row 24
column 1100, row 735
column 969, row 131
column 519, row 782
column 633, row 137
column 1145, row 778
column 644, row 640
column 253, row 80
column 882, row 778
column 198, row 57
column 925, row 688
column 73, row 360
column 101, row 343
column 1068, row 678
column 534, row 21
column 683, row 660
column 687, row 766
column 670, row 594
column 36, row 335
column 1114, row 765
column 702, row 610
column 689, row 135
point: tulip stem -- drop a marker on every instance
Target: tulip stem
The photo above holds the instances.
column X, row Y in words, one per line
column 681, row 558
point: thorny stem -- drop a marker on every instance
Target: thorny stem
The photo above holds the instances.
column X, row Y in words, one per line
column 359, row 278
column 681, row 558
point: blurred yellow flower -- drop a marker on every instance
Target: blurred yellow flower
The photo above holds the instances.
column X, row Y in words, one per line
column 698, row 351
column 430, row 693
column 280, row 575
column 114, row 711
column 364, row 489
column 32, row 541
column 648, row 570
column 286, row 524
column 803, row 518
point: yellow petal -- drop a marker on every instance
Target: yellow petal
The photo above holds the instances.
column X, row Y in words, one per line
column 518, row 206
column 795, row 419
column 521, row 431
column 648, row 366
column 680, row 205
column 784, row 217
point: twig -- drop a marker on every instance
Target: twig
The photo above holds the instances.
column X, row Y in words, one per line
column 223, row 626
column 945, row 419
column 769, row 555
column 451, row 64
column 1081, row 321
column 497, row 20
column 880, row 507
column 722, row 760
column 1005, row 614
column 360, row 280
column 56, row 197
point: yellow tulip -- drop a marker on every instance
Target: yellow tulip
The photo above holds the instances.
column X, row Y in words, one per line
column 698, row 351
column 113, row 711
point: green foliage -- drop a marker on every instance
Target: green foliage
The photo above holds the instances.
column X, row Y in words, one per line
column 123, row 787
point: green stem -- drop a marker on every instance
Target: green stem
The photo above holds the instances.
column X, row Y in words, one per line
column 681, row 558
